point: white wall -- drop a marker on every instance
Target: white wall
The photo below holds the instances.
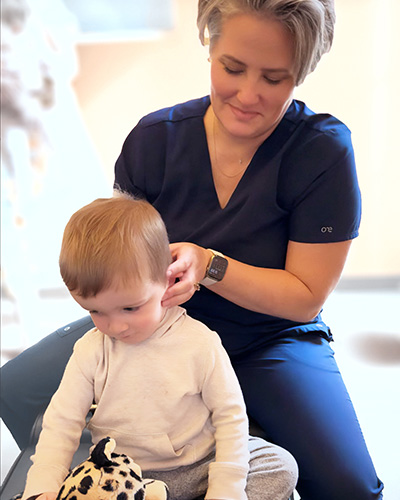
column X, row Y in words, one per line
column 357, row 82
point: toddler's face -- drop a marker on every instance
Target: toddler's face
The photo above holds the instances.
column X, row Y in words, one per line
column 130, row 314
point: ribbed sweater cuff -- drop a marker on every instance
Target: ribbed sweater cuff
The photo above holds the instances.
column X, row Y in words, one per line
column 227, row 482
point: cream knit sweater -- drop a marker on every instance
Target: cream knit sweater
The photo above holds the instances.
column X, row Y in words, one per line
column 168, row 402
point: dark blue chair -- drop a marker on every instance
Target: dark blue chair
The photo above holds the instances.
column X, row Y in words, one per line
column 27, row 384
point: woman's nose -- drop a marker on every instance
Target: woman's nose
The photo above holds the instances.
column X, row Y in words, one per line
column 249, row 92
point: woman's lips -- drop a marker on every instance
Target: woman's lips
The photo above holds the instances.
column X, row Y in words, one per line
column 243, row 115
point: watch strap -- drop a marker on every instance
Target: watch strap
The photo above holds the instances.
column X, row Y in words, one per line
column 207, row 281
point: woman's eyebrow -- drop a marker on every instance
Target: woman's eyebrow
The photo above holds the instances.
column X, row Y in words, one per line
column 225, row 57
column 232, row 59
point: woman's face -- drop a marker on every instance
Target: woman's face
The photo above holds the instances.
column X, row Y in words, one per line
column 252, row 75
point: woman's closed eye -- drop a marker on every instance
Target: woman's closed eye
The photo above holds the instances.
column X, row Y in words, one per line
column 272, row 81
column 233, row 71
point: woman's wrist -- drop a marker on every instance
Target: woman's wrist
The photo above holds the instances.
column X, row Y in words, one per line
column 215, row 269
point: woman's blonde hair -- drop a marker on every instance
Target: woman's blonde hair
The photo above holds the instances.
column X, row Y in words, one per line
column 112, row 241
column 310, row 22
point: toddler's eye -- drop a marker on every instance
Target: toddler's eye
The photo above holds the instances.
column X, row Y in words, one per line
column 131, row 309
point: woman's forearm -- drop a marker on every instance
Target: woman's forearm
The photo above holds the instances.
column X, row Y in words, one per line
column 269, row 291
column 297, row 292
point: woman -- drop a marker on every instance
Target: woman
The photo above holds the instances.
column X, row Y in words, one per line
column 271, row 187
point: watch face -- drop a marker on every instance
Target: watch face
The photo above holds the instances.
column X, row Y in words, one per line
column 217, row 268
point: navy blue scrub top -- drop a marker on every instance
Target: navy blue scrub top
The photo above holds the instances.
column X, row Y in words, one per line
column 301, row 185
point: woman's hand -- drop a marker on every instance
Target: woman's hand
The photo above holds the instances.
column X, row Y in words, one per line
column 187, row 269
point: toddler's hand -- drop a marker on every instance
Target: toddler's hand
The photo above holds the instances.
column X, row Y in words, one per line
column 48, row 495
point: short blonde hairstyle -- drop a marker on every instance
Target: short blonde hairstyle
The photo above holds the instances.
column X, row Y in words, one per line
column 310, row 23
column 112, row 241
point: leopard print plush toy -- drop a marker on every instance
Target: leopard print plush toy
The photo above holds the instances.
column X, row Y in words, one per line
column 109, row 476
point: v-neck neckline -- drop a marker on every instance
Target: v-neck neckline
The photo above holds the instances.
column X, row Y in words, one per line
column 210, row 174
column 273, row 143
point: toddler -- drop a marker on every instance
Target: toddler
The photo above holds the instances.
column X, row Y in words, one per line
column 163, row 385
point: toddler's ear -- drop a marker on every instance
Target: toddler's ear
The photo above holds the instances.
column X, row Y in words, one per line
column 168, row 282
column 166, row 288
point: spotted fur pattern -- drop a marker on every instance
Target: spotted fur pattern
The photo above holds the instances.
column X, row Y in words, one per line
column 109, row 476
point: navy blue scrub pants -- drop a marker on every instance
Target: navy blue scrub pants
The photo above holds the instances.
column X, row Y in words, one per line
column 294, row 391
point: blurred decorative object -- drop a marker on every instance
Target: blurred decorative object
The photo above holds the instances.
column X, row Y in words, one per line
column 377, row 348
column 49, row 167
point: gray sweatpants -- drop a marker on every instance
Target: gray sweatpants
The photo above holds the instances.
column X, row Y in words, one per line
column 272, row 475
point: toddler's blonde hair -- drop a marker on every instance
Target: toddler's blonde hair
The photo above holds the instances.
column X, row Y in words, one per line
column 112, row 241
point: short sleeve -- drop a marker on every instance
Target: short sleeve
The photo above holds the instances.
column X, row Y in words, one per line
column 318, row 186
column 141, row 155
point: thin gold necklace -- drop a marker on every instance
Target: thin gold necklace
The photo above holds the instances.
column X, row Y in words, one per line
column 229, row 176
